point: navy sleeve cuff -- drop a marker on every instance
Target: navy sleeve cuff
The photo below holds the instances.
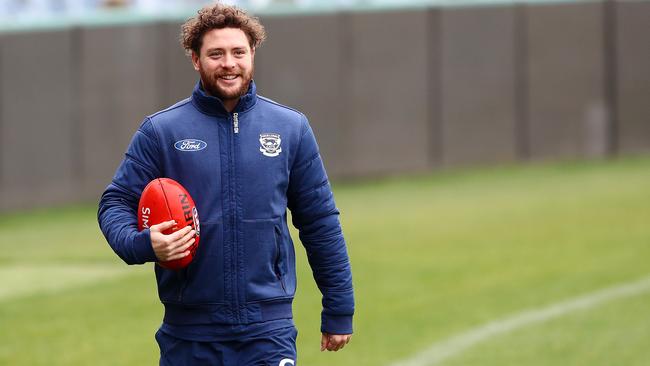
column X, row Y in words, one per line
column 142, row 247
column 336, row 324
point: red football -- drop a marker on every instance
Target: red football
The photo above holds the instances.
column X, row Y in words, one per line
column 164, row 199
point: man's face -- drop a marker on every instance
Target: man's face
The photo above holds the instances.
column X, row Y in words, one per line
column 225, row 64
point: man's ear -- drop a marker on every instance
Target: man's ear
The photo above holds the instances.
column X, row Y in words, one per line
column 195, row 61
column 253, row 52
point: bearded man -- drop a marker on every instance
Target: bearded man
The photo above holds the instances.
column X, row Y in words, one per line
column 233, row 304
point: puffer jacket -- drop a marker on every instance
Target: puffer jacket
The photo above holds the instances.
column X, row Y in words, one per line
column 243, row 170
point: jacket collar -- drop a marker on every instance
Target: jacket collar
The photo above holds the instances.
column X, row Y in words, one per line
column 214, row 106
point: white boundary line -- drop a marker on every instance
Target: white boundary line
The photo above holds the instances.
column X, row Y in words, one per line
column 26, row 280
column 441, row 351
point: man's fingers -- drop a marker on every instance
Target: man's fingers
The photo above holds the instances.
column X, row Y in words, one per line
column 339, row 343
column 190, row 234
column 172, row 246
column 162, row 226
column 324, row 342
column 178, row 256
column 182, row 242
column 177, row 235
column 334, row 342
column 183, row 247
column 180, row 250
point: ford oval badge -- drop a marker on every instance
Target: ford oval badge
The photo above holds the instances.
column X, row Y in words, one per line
column 190, row 145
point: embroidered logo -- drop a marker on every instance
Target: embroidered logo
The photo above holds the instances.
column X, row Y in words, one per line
column 286, row 361
column 270, row 144
column 190, row 145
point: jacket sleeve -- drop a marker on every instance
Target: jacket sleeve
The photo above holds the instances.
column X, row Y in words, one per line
column 315, row 215
column 117, row 214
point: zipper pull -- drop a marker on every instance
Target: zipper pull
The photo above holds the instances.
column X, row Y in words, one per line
column 235, row 122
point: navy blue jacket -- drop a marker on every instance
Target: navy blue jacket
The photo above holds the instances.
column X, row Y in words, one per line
column 243, row 170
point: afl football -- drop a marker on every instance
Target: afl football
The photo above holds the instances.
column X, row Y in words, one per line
column 164, row 199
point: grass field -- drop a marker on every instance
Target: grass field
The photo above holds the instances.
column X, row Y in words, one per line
column 433, row 257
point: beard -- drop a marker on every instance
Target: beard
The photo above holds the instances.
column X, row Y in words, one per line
column 210, row 83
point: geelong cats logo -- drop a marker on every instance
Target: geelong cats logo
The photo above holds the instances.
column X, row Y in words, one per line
column 270, row 144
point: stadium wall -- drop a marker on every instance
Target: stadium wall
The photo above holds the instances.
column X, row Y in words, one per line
column 567, row 110
column 301, row 65
column 39, row 146
column 478, row 85
column 387, row 92
column 122, row 74
column 631, row 87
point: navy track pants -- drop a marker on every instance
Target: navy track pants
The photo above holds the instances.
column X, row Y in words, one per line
column 275, row 348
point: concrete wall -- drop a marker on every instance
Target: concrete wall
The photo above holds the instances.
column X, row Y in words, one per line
column 387, row 120
column 121, row 81
column 302, row 65
column 478, row 85
column 3, row 191
column 39, row 150
column 567, row 113
column 178, row 75
column 632, row 42
column 386, row 91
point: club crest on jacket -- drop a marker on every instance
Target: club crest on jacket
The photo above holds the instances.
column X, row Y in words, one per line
column 270, row 144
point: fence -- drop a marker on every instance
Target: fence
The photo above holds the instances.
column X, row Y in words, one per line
column 387, row 92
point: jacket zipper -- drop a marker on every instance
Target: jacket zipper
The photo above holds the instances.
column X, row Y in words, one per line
column 235, row 264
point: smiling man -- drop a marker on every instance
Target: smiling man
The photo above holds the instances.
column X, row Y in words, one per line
column 250, row 159
column 225, row 63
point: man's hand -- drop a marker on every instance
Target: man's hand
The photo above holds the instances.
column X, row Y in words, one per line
column 334, row 342
column 172, row 246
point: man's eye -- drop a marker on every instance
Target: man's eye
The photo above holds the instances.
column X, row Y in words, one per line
column 240, row 52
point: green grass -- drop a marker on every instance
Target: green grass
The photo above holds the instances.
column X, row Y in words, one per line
column 432, row 256
column 616, row 333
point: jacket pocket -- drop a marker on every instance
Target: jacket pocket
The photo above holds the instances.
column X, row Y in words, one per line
column 280, row 257
column 202, row 281
column 171, row 283
column 264, row 261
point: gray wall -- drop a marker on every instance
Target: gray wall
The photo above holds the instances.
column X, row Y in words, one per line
column 387, row 92
column 632, row 89
column 566, row 100
column 300, row 65
column 39, row 149
column 121, row 81
column 386, row 122
column 478, row 85
column 178, row 75
column 3, row 190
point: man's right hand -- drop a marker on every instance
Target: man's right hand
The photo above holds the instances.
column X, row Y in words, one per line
column 172, row 246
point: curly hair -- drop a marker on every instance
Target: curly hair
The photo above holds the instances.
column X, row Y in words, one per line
column 220, row 16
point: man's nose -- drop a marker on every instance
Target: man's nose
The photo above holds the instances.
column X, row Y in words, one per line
column 228, row 61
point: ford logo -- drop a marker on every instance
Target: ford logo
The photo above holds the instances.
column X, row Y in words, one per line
column 190, row 145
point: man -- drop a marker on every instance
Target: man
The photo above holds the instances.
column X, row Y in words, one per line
column 232, row 304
